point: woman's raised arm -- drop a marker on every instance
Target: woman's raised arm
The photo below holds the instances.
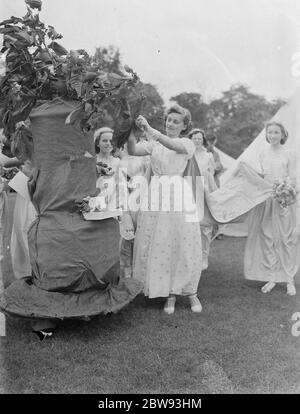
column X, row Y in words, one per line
column 135, row 149
column 155, row 135
column 169, row 143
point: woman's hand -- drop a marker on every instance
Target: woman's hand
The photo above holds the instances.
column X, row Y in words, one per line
column 151, row 133
column 142, row 123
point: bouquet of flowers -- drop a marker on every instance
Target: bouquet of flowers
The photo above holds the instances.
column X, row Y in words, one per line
column 285, row 192
column 9, row 173
column 104, row 170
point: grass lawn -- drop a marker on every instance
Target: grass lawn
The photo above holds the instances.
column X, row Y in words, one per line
column 240, row 343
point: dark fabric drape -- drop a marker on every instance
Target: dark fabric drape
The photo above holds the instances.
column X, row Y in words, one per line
column 75, row 263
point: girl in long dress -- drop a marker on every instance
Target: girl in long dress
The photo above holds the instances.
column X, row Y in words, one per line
column 167, row 249
column 130, row 167
column 272, row 248
column 24, row 215
column 207, row 167
column 115, row 185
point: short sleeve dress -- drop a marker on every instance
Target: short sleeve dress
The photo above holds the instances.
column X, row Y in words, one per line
column 167, row 248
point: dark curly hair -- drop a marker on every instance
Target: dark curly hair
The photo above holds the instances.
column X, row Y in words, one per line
column 197, row 131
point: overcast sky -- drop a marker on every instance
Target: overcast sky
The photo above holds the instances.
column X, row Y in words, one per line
column 186, row 45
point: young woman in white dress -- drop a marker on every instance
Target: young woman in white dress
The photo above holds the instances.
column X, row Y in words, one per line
column 273, row 243
column 167, row 249
column 207, row 167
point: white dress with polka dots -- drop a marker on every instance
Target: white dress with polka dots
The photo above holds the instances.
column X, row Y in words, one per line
column 167, row 248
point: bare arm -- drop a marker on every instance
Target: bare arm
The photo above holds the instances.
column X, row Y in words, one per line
column 157, row 136
column 169, row 142
column 134, row 149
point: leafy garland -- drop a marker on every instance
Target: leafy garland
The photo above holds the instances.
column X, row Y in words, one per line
column 39, row 68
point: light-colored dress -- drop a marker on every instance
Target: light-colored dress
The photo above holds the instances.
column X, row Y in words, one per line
column 167, row 248
column 113, row 163
column 109, row 185
column 130, row 166
column 207, row 166
column 272, row 253
column 133, row 165
column 24, row 215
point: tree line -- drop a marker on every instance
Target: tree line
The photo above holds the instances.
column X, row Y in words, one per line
column 236, row 117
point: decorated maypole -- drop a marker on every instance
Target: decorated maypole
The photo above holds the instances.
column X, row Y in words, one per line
column 59, row 94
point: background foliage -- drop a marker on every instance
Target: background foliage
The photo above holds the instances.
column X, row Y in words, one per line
column 38, row 67
column 237, row 117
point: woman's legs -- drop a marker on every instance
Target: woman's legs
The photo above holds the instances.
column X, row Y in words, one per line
column 290, row 289
column 268, row 287
column 196, row 306
column 169, row 307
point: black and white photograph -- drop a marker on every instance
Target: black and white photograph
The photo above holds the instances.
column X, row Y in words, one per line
column 149, row 200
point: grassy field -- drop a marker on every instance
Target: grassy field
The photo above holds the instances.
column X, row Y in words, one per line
column 240, row 343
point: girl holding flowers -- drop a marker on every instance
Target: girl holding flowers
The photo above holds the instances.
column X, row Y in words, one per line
column 273, row 243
